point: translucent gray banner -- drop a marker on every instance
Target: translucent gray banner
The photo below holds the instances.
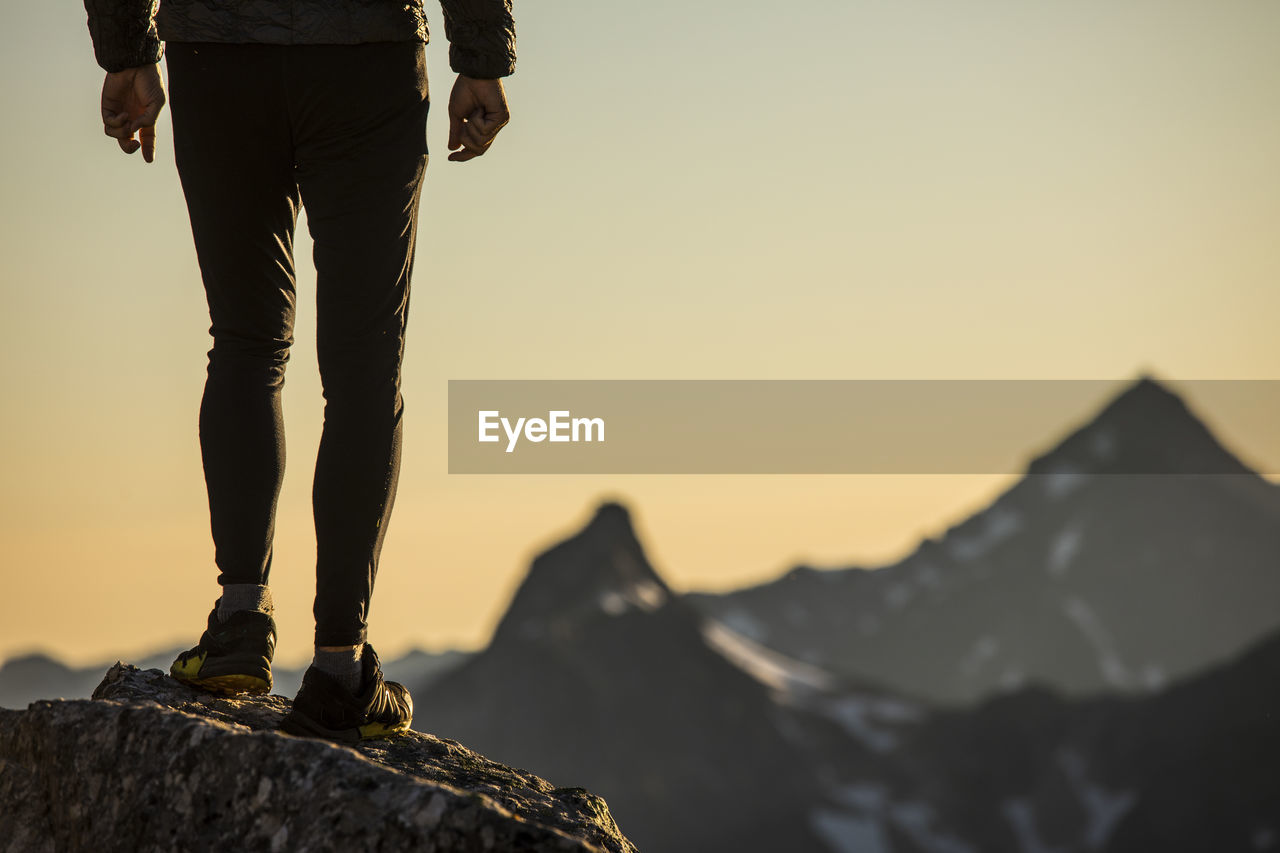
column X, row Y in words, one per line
column 857, row 426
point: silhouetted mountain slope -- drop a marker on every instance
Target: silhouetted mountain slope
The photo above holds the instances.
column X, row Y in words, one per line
column 1202, row 760
column 1084, row 575
column 702, row 740
column 1188, row 769
column 598, row 676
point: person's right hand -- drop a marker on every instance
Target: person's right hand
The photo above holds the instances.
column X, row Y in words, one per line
column 131, row 102
column 477, row 111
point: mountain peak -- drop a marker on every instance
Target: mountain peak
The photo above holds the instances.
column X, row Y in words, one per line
column 611, row 519
column 1145, row 429
column 1147, row 395
column 601, row 568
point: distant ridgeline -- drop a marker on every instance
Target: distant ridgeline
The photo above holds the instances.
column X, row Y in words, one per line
column 1078, row 578
column 1091, row 663
column 27, row 678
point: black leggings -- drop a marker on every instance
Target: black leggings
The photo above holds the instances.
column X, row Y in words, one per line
column 259, row 130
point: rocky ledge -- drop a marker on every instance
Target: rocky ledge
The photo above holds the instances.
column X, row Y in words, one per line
column 149, row 764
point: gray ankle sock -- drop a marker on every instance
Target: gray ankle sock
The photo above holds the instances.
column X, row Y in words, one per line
column 344, row 666
column 243, row 596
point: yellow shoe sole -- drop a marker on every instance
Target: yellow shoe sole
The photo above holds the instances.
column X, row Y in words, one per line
column 377, row 730
column 227, row 685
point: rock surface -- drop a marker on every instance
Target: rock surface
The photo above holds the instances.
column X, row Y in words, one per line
column 149, row 764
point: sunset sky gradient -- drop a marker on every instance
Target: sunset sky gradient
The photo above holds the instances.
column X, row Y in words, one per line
column 905, row 189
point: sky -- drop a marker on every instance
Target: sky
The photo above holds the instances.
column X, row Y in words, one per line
column 713, row 190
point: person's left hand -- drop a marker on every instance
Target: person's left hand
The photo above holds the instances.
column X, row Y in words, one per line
column 131, row 102
column 477, row 111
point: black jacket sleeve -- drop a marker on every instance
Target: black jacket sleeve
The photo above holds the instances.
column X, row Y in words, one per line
column 482, row 37
column 124, row 33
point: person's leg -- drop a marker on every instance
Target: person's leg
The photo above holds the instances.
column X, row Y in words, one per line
column 361, row 132
column 233, row 149
column 360, row 120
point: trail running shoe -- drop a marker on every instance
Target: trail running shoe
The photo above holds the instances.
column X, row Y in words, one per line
column 232, row 657
column 324, row 708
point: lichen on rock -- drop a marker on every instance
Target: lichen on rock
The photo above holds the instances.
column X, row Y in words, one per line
column 150, row 764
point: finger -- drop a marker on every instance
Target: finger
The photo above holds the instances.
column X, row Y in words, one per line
column 121, row 132
column 129, row 145
column 488, row 124
column 475, row 139
column 476, row 148
column 114, row 125
column 479, row 124
column 491, row 125
column 147, row 138
column 148, row 117
column 477, row 134
column 462, row 156
column 455, row 131
column 497, row 119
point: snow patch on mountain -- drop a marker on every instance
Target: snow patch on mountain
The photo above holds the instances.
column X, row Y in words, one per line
column 1103, row 444
column 1063, row 549
column 641, row 595
column 1153, row 677
column 998, row 524
column 871, row 718
column 789, row 679
column 897, row 595
column 1061, row 480
column 848, row 833
column 866, row 796
column 928, row 577
column 1112, row 668
column 917, row 820
column 983, row 650
column 1103, row 809
column 1012, row 678
column 746, row 623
